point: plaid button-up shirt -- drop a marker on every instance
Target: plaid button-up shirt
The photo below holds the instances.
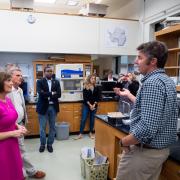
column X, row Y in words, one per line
column 155, row 113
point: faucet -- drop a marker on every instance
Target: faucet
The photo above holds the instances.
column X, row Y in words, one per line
column 126, row 104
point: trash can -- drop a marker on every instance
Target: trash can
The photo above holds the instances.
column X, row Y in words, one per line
column 62, row 130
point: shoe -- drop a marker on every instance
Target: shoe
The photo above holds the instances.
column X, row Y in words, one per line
column 91, row 135
column 39, row 175
column 41, row 148
column 79, row 137
column 50, row 148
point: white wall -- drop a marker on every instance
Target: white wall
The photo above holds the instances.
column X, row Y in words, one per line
column 50, row 33
column 128, row 9
column 132, row 32
column 156, row 11
column 154, row 7
column 59, row 34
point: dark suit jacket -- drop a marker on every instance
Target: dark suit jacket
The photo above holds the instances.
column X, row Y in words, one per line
column 91, row 96
column 45, row 96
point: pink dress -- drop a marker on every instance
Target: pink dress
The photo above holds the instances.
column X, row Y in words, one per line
column 10, row 157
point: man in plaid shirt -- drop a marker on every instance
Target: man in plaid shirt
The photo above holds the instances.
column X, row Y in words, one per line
column 153, row 119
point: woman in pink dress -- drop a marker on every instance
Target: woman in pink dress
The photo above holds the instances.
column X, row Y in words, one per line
column 10, row 158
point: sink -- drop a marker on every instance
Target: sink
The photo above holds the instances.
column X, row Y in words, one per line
column 126, row 121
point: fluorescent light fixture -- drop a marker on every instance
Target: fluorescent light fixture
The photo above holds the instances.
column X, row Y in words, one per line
column 72, row 2
column 45, row 1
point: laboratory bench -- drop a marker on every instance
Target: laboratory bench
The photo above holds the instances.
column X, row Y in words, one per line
column 107, row 143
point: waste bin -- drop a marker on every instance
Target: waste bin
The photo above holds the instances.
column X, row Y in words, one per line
column 62, row 130
column 92, row 171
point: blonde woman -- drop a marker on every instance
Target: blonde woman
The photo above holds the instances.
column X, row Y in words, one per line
column 90, row 101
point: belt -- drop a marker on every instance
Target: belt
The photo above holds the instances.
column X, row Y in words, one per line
column 147, row 146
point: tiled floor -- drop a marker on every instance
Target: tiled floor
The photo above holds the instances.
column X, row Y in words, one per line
column 63, row 163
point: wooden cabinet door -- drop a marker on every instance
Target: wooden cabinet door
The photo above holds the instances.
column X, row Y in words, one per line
column 170, row 171
column 101, row 108
column 112, row 107
column 77, row 116
column 66, row 114
column 108, row 106
column 33, row 123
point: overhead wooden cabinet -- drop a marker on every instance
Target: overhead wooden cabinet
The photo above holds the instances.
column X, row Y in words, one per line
column 170, row 36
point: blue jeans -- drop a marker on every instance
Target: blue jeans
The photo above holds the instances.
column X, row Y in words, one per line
column 50, row 116
column 85, row 111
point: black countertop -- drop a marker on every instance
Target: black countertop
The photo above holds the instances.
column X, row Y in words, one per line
column 121, row 127
column 80, row 101
column 174, row 149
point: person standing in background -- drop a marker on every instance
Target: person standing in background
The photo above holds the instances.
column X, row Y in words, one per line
column 49, row 91
column 153, row 118
column 126, row 82
column 10, row 157
column 109, row 76
column 91, row 97
column 133, row 86
column 17, row 98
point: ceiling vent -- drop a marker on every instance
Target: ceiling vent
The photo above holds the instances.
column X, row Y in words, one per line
column 22, row 4
column 92, row 9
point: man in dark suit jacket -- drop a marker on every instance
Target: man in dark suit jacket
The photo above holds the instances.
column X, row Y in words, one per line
column 49, row 91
